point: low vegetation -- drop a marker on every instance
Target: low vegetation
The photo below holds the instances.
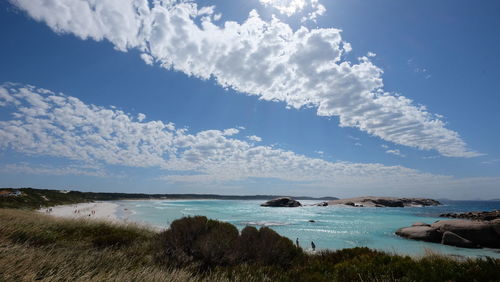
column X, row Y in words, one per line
column 31, row 198
column 34, row 246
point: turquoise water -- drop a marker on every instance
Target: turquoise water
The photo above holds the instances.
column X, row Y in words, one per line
column 335, row 227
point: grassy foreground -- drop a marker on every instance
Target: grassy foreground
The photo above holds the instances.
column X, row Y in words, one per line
column 38, row 247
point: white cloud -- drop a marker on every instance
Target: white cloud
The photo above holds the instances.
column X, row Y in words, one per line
column 305, row 67
column 25, row 168
column 395, row 152
column 292, row 7
column 287, row 7
column 44, row 123
column 141, row 117
column 430, row 157
column 254, row 138
column 148, row 59
column 48, row 124
column 317, row 10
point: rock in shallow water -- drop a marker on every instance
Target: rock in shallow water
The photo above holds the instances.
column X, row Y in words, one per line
column 480, row 232
column 420, row 224
column 460, row 233
column 421, row 233
column 452, row 239
column 282, row 202
column 484, row 215
column 371, row 201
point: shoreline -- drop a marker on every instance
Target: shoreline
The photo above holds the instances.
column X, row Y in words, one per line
column 100, row 210
column 108, row 211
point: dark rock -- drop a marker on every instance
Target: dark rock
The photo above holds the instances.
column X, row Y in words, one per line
column 322, row 204
column 420, row 224
column 452, row 239
column 384, row 202
column 282, row 202
column 312, row 220
column 422, row 233
column 420, row 202
column 484, row 215
column 496, row 226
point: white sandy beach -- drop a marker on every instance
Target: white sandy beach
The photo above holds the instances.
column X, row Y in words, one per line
column 95, row 210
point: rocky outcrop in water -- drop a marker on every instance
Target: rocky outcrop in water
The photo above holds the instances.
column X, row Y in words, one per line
column 456, row 232
column 385, row 202
column 484, row 215
column 282, row 202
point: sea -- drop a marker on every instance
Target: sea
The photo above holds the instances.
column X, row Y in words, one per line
column 331, row 227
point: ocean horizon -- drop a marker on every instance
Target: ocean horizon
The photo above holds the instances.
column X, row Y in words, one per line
column 334, row 227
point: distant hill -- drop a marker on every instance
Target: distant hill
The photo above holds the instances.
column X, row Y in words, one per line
column 31, row 198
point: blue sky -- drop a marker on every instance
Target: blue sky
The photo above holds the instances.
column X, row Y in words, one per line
column 291, row 96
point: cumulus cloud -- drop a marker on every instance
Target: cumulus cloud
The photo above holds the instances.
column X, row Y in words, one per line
column 292, row 7
column 254, row 138
column 268, row 59
column 287, row 7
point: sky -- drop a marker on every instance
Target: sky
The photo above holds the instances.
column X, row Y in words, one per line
column 290, row 97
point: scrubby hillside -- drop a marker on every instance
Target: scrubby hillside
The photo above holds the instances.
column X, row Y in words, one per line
column 30, row 198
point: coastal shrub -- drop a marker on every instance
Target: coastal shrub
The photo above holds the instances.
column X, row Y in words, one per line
column 215, row 247
column 264, row 247
column 212, row 243
column 272, row 248
column 198, row 239
column 245, row 248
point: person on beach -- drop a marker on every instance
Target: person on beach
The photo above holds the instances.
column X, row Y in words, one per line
column 313, row 246
column 297, row 242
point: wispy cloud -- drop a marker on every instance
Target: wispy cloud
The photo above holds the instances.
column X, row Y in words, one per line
column 45, row 123
column 305, row 67
column 26, row 168
column 395, row 152
column 490, row 161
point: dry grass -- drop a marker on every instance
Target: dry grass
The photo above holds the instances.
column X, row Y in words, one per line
column 27, row 263
column 38, row 247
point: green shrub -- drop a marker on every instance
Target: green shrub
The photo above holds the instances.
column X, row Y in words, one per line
column 198, row 239
column 214, row 243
